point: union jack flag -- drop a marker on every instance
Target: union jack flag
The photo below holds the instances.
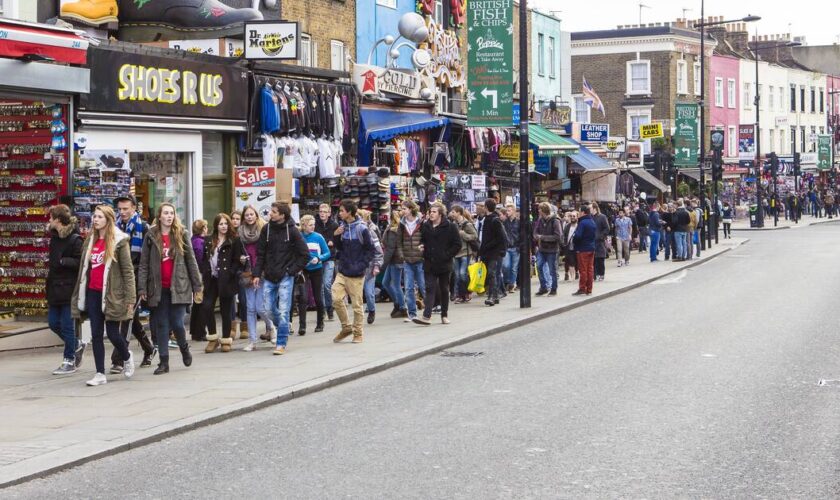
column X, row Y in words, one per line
column 591, row 98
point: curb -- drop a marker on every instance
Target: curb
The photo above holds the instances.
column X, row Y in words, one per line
column 319, row 384
column 778, row 228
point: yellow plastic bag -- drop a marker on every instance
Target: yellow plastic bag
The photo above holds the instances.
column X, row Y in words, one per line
column 478, row 274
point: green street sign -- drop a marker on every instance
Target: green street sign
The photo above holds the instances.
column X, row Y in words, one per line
column 824, row 152
column 686, row 137
column 490, row 63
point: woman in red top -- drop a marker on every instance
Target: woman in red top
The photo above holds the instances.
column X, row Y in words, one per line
column 169, row 281
column 105, row 289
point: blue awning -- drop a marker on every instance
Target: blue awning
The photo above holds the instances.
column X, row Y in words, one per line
column 382, row 125
column 589, row 161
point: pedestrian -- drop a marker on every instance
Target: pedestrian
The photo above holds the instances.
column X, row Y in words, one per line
column 828, row 200
column 440, row 243
column 169, row 281
column 313, row 274
column 220, row 273
column 132, row 224
column 374, row 268
column 585, row 236
column 569, row 254
column 281, row 255
column 642, row 221
column 240, row 307
column 355, row 254
column 727, row 220
column 249, row 238
column 198, row 331
column 510, row 264
column 547, row 235
column 393, row 262
column 469, row 248
column 655, row 226
column 681, row 219
column 693, row 225
column 105, row 290
column 410, row 247
column 602, row 224
column 491, row 234
column 326, row 226
column 65, row 256
column 623, row 236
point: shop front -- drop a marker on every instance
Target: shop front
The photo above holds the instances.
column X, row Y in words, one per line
column 43, row 70
column 161, row 127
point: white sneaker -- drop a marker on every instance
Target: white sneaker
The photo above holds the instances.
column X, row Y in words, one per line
column 98, row 379
column 250, row 347
column 409, row 319
column 129, row 365
column 67, row 367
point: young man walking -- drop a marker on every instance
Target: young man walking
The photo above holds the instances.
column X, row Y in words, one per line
column 624, row 234
column 409, row 243
column 584, row 241
column 548, row 235
column 326, row 226
column 493, row 246
column 355, row 254
column 510, row 265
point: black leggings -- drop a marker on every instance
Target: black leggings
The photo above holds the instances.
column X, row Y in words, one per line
column 211, row 293
column 727, row 229
column 315, row 279
column 99, row 327
column 600, row 266
column 437, row 290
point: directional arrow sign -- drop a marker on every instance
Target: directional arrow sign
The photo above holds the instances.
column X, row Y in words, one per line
column 494, row 94
column 489, row 63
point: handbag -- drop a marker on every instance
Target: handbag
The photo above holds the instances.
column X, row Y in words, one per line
column 245, row 275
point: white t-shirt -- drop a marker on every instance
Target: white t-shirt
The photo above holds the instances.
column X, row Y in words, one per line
column 289, row 151
column 326, row 158
column 269, row 150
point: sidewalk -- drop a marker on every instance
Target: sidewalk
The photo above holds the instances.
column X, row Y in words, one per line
column 807, row 220
column 52, row 423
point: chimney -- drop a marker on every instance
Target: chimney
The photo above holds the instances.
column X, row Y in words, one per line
column 739, row 38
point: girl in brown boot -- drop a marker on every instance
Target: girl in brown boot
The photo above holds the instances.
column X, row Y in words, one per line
column 219, row 270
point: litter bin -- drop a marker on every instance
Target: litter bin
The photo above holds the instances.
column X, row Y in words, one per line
column 756, row 217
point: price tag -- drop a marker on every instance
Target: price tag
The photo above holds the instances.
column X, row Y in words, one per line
column 4, row 203
column 5, row 172
column 6, row 234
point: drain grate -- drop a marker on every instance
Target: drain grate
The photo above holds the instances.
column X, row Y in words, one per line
column 461, row 354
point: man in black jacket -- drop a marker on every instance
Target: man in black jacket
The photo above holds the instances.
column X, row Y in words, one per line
column 682, row 219
column 65, row 253
column 493, row 246
column 548, row 235
column 440, row 243
column 510, row 265
column 326, row 226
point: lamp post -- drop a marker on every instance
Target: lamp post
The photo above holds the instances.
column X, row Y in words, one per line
column 704, row 232
column 524, row 174
column 760, row 214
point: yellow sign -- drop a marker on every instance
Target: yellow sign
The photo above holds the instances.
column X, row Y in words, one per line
column 511, row 153
column 651, row 131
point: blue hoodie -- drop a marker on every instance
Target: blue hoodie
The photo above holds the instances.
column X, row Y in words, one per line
column 584, row 238
column 317, row 248
column 355, row 249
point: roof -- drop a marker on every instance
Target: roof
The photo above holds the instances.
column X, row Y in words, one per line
column 636, row 33
column 548, row 142
column 589, row 161
column 647, row 177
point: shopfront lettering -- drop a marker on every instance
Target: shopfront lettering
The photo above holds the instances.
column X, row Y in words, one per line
column 490, row 13
column 446, row 66
column 166, row 86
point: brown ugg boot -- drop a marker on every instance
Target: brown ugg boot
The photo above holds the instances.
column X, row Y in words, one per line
column 212, row 343
column 227, row 344
column 243, row 330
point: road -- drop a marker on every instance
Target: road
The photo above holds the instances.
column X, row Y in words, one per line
column 702, row 385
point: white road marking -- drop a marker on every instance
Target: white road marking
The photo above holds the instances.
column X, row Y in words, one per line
column 673, row 280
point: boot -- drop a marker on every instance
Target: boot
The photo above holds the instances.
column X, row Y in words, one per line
column 567, row 277
column 319, row 324
column 302, row 329
column 186, row 355
column 243, row 330
column 91, row 12
column 151, row 20
column 212, row 343
column 395, row 313
column 227, row 344
column 163, row 366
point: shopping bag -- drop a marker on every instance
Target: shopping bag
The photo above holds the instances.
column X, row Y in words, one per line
column 478, row 273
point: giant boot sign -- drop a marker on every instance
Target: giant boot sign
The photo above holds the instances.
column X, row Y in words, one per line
column 153, row 20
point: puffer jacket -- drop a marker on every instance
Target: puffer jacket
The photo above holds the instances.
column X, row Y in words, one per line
column 119, row 293
column 391, row 246
column 65, row 257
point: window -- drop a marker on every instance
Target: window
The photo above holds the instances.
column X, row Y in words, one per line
column 802, row 138
column 793, row 99
column 732, row 151
column 781, row 140
column 439, row 13
column 730, row 93
column 638, row 77
column 802, row 99
column 812, row 139
column 793, row 138
column 636, row 117
column 582, row 110
column 781, row 98
column 772, row 139
column 391, row 4
column 747, row 97
column 552, row 65
column 541, row 54
column 719, row 92
column 308, row 54
column 682, row 77
column 813, row 100
column 337, row 59
column 697, row 78
column 822, row 101
column 822, row 130
column 771, row 97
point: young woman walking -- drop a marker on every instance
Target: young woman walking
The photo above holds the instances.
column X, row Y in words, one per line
column 198, row 331
column 727, row 220
column 249, row 235
column 319, row 252
column 105, row 289
column 240, row 306
column 469, row 243
column 393, row 262
column 65, row 252
column 219, row 270
column 169, row 281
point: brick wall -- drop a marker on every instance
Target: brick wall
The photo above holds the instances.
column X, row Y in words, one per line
column 325, row 20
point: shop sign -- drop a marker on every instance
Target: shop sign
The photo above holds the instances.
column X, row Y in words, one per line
column 746, row 142
column 274, row 40
column 616, row 144
column 490, row 63
column 210, row 47
column 634, row 152
column 446, row 66
column 781, row 121
column 686, row 137
column 400, row 82
column 560, row 116
column 651, row 131
column 256, row 186
column 824, row 152
column 122, row 82
column 510, row 152
column 594, row 132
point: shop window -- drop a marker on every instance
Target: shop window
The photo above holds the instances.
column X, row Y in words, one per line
column 213, row 154
column 159, row 178
column 337, row 59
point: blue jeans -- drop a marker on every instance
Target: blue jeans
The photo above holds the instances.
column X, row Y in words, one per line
column 277, row 300
column 510, row 266
column 667, row 240
column 414, row 278
column 62, row 324
column 654, row 245
column 462, row 277
column 392, row 281
column 697, row 236
column 254, row 301
column 547, row 267
column 168, row 317
column 326, row 288
column 370, row 293
column 679, row 238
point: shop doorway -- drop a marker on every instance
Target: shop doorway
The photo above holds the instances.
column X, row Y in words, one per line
column 160, row 178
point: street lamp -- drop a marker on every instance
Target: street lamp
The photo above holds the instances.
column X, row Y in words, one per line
column 759, row 213
column 704, row 233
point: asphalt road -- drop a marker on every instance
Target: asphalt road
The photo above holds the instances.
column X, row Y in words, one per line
column 702, row 385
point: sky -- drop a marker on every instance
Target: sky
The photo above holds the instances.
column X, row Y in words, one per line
column 814, row 19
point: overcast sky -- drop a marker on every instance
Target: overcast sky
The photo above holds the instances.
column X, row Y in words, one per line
column 814, row 19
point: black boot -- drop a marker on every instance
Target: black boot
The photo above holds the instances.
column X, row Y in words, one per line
column 146, row 21
column 302, row 329
column 319, row 325
column 163, row 366
column 186, row 355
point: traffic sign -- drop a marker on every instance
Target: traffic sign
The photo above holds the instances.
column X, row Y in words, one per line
column 490, row 63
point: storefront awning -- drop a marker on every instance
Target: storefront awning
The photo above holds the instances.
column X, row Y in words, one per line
column 693, row 173
column 589, row 161
column 647, row 177
column 548, row 143
column 39, row 42
column 383, row 125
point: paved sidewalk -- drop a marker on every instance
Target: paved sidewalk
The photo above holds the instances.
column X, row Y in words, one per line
column 51, row 423
column 807, row 220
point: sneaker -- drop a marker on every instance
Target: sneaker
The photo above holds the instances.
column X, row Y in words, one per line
column 444, row 320
column 423, row 321
column 489, row 302
column 98, row 379
column 279, row 350
column 552, row 293
column 173, row 344
column 371, row 317
column 147, row 358
column 541, row 292
column 129, row 365
column 620, row 263
column 579, row 292
column 436, row 310
column 409, row 319
column 67, row 367
column 80, row 352
column 250, row 347
column 116, row 369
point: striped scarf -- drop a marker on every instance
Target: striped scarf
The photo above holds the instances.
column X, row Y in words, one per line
column 136, row 229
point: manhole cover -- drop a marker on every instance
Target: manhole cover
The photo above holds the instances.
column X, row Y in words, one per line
column 461, row 354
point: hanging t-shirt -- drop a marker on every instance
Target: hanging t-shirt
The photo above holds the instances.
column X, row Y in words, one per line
column 289, row 151
column 326, row 158
column 97, row 266
column 167, row 263
column 269, row 111
column 269, row 150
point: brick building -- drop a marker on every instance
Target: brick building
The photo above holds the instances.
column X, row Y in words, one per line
column 328, row 31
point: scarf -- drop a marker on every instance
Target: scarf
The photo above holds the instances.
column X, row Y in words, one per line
column 249, row 234
column 136, row 229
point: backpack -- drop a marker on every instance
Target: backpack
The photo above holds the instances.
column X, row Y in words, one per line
column 642, row 218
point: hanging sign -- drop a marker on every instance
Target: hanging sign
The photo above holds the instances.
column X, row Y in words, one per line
column 746, row 142
column 256, row 186
column 274, row 40
column 824, row 152
column 446, row 66
column 651, row 131
column 490, row 63
column 686, row 137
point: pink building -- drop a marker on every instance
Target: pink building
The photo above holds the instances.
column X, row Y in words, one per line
column 833, row 102
column 723, row 102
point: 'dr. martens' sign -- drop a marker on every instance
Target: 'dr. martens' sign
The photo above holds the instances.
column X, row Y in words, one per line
column 142, row 84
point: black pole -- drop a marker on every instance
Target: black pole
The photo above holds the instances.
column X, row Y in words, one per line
column 759, row 215
column 524, row 175
column 702, row 161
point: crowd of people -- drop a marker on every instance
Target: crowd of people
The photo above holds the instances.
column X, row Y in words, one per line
column 257, row 271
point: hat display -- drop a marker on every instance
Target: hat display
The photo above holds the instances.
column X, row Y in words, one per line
column 383, row 172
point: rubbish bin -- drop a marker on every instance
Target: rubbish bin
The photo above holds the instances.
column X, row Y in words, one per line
column 756, row 217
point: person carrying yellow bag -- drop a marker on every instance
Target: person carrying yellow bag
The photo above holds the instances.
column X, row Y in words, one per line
column 478, row 275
